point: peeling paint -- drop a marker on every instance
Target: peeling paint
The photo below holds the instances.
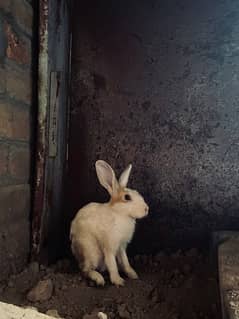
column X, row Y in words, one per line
column 54, row 38
column 16, row 49
column 39, row 196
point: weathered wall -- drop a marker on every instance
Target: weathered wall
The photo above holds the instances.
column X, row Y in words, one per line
column 155, row 83
column 15, row 106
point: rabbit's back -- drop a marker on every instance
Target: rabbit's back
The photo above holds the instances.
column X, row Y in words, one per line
column 100, row 222
column 92, row 218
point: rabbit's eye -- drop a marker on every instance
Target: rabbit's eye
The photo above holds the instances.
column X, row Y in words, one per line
column 127, row 197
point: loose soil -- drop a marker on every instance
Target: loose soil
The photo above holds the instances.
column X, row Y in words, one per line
column 179, row 286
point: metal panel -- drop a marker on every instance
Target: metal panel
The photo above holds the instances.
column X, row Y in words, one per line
column 39, row 193
column 55, row 81
column 59, row 55
column 54, row 53
column 155, row 84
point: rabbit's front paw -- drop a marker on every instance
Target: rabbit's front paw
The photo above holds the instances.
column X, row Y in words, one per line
column 117, row 281
column 96, row 277
column 100, row 281
column 132, row 274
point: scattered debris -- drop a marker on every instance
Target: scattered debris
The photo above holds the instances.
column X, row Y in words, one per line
column 123, row 312
column 10, row 284
column 53, row 313
column 62, row 265
column 42, row 291
column 175, row 286
column 102, row 315
column 33, row 268
column 91, row 316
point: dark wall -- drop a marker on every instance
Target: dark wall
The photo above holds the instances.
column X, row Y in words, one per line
column 155, row 83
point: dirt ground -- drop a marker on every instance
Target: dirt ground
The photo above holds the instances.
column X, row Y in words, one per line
column 179, row 286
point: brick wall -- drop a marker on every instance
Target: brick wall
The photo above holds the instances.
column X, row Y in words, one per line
column 15, row 105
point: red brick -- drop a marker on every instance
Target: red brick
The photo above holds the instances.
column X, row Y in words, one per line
column 14, row 122
column 2, row 80
column 4, row 153
column 14, row 246
column 21, row 124
column 18, row 84
column 6, row 117
column 23, row 14
column 19, row 163
column 15, row 203
column 21, row 11
column 18, row 49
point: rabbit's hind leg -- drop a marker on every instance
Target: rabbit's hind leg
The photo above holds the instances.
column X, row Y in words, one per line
column 91, row 260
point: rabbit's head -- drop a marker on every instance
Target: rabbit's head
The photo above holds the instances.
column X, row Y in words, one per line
column 123, row 200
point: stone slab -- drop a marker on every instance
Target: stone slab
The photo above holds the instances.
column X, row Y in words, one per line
column 9, row 311
column 231, row 300
column 217, row 238
column 228, row 269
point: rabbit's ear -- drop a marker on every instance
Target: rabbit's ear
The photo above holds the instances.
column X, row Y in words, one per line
column 106, row 177
column 124, row 178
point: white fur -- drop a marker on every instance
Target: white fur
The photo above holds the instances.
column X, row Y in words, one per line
column 100, row 233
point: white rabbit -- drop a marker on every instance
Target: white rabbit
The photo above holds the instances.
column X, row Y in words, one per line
column 100, row 232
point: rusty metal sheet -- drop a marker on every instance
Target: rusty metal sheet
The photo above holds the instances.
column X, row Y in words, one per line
column 54, row 63
column 54, row 111
column 39, row 187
